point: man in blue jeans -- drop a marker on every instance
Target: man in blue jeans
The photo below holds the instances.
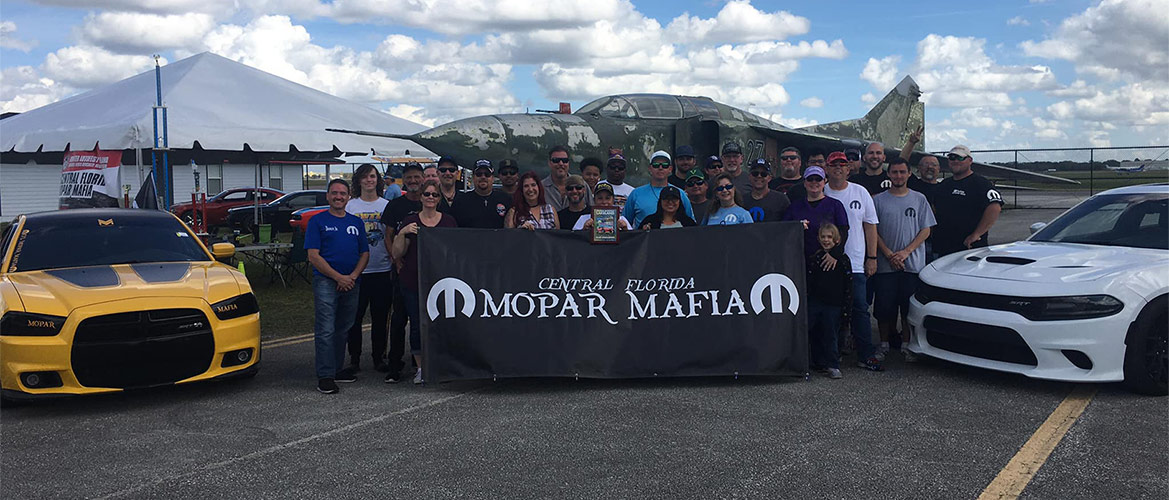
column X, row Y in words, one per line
column 338, row 250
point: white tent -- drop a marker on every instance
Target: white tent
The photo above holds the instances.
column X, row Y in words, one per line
column 210, row 99
column 215, row 106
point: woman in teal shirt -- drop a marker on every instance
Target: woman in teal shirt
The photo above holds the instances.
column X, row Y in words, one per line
column 728, row 210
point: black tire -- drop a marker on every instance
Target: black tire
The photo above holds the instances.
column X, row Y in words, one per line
column 188, row 218
column 1146, row 356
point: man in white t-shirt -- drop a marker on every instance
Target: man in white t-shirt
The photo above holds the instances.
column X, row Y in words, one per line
column 376, row 285
column 861, row 247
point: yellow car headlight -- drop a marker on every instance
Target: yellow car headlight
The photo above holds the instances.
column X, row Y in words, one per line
column 29, row 324
column 236, row 307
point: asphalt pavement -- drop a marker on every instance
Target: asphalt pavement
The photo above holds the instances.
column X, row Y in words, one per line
column 925, row 430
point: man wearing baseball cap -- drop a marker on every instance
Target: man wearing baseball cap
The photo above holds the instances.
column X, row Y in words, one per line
column 683, row 161
column 764, row 203
column 509, row 176
column 615, row 176
column 697, row 191
column 860, row 244
column 732, row 158
column 966, row 206
column 643, row 201
column 484, row 206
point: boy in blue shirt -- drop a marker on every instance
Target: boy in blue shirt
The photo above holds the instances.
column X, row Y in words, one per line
column 338, row 250
column 643, row 201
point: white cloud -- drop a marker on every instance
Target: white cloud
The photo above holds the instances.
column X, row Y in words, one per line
column 222, row 7
column 1047, row 129
column 1114, row 39
column 737, row 22
column 1018, row 21
column 1133, row 104
column 882, row 73
column 465, row 17
column 28, row 89
column 8, row 38
column 134, row 33
column 957, row 72
column 812, row 102
column 412, row 113
column 1078, row 88
column 84, row 66
column 868, row 98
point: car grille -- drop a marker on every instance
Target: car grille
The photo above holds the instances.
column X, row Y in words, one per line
column 980, row 341
column 142, row 349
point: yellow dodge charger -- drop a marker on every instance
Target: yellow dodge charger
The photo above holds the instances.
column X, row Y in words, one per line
column 102, row 300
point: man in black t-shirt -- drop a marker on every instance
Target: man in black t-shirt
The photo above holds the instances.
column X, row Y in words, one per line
column 873, row 176
column 574, row 189
column 396, row 211
column 965, row 205
column 791, row 172
column 484, row 206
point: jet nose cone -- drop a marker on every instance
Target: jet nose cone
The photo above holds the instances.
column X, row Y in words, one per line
column 478, row 132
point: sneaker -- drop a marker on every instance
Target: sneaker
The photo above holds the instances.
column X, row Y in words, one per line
column 910, row 357
column 834, row 373
column 881, row 351
column 327, row 386
column 393, row 377
column 346, row 376
column 418, row 376
column 871, row 364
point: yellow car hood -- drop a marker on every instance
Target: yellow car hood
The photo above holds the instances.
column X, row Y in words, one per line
column 59, row 291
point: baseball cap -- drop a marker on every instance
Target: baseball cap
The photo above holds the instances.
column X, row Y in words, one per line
column 835, row 155
column 960, row 150
column 761, row 164
column 447, row 159
column 509, row 163
column 603, row 186
column 412, row 166
column 732, row 147
column 484, row 165
column 711, row 160
column 850, row 152
column 575, row 180
column 616, row 158
column 669, row 192
column 684, row 151
column 694, row 172
column 660, row 154
column 814, row 170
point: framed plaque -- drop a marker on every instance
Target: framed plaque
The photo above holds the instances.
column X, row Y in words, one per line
column 605, row 225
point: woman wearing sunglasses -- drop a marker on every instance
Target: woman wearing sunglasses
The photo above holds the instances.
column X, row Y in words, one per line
column 405, row 249
column 669, row 214
column 728, row 210
column 528, row 209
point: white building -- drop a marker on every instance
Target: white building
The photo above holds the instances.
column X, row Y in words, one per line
column 239, row 124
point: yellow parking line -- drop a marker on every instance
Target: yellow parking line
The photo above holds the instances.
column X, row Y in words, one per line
column 1011, row 481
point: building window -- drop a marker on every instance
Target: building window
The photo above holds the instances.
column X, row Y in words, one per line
column 276, row 177
column 214, row 179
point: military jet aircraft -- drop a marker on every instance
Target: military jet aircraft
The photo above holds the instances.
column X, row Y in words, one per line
column 640, row 124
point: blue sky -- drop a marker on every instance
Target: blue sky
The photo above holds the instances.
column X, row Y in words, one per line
column 996, row 74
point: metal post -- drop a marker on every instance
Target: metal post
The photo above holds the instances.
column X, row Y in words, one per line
column 1091, row 172
column 163, row 172
column 1016, row 180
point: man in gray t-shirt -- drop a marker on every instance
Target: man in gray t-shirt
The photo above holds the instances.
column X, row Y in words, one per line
column 906, row 219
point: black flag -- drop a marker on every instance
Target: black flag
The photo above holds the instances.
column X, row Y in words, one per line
column 147, row 196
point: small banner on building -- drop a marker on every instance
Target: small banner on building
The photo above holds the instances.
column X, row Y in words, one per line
column 90, row 179
column 720, row 300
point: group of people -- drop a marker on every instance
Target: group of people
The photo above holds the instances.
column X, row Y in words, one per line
column 868, row 231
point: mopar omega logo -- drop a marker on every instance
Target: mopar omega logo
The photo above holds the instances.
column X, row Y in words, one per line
column 855, row 205
column 910, row 212
column 773, row 283
column 447, row 288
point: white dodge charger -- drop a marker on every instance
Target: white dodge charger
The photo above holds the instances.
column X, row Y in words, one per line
column 1084, row 299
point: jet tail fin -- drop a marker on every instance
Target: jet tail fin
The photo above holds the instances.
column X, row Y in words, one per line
column 890, row 121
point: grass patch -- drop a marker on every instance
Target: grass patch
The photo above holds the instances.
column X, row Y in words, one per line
column 284, row 311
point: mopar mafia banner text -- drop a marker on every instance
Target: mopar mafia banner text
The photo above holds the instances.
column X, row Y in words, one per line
column 698, row 301
column 90, row 179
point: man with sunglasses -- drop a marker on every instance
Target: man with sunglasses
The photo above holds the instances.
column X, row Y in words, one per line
column 696, row 191
column 484, row 206
column 396, row 211
column 643, row 201
column 764, row 204
column 860, row 245
column 854, row 161
column 966, row 206
column 732, row 159
column 615, row 175
column 448, row 171
column 575, row 189
column 509, row 176
column 873, row 177
column 683, row 161
column 790, row 171
column 558, row 164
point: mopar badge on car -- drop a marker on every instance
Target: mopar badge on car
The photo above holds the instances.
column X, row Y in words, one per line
column 138, row 307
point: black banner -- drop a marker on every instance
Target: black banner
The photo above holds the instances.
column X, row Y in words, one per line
column 719, row 300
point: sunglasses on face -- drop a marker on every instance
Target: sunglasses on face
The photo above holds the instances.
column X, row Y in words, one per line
column 954, row 157
column 431, row 194
column 660, row 165
column 852, row 156
column 837, row 164
column 789, row 158
column 558, row 160
column 509, row 172
column 574, row 188
column 814, row 179
column 716, row 166
column 446, row 170
column 617, row 168
column 482, row 174
column 760, row 173
column 727, row 187
column 695, row 182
